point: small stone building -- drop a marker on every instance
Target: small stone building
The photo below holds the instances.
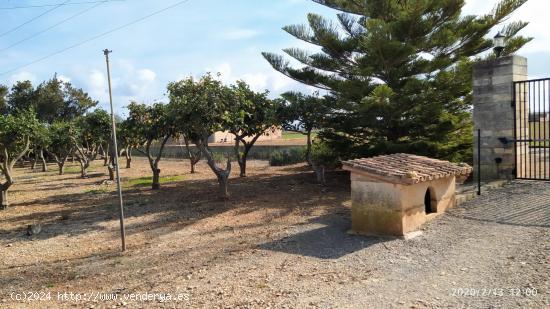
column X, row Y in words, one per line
column 395, row 194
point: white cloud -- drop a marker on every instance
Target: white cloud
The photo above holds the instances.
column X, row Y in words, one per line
column 223, row 72
column 240, row 34
column 23, row 76
column 534, row 11
column 257, row 82
column 97, row 85
column 281, row 81
column 64, row 78
column 271, row 80
column 147, row 75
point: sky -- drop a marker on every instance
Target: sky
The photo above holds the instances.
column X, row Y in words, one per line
column 190, row 39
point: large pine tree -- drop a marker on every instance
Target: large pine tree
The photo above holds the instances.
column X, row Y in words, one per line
column 397, row 72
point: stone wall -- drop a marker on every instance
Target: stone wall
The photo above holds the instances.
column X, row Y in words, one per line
column 493, row 95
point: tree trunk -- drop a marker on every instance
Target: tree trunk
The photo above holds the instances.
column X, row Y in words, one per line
column 4, row 202
column 156, row 179
column 308, row 149
column 84, row 169
column 242, row 166
column 128, row 154
column 106, row 155
column 320, row 173
column 222, row 175
column 44, row 163
column 33, row 162
column 111, row 172
column 194, row 158
column 240, row 160
column 61, row 166
column 223, row 180
column 4, row 199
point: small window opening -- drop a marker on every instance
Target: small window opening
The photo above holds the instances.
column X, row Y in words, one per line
column 428, row 202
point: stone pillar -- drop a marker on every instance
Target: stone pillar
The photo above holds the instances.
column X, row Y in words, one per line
column 494, row 114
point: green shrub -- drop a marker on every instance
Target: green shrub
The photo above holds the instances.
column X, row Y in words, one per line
column 287, row 157
column 323, row 155
column 147, row 181
column 221, row 157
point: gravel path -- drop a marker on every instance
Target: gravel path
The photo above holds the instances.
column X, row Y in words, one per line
column 492, row 252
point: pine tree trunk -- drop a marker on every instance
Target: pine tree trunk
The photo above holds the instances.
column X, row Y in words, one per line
column 192, row 166
column 320, row 173
column 44, row 163
column 308, row 149
column 156, row 179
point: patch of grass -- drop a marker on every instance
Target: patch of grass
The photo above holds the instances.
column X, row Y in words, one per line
column 97, row 191
column 296, row 135
column 147, row 181
column 292, row 135
column 72, row 169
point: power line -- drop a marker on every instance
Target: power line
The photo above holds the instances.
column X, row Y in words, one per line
column 51, row 27
column 33, row 19
column 96, row 37
column 55, row 4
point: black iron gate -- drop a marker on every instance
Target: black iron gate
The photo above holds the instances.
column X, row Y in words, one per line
column 532, row 129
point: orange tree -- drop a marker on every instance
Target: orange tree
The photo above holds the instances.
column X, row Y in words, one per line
column 16, row 133
column 200, row 108
column 251, row 115
column 149, row 124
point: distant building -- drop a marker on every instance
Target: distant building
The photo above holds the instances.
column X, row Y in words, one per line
column 226, row 137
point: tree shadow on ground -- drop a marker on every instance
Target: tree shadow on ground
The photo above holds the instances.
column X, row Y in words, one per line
column 177, row 204
column 328, row 238
column 173, row 208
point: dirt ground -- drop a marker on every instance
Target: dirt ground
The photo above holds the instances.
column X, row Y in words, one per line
column 279, row 242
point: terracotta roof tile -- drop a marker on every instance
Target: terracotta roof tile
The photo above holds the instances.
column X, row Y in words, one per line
column 408, row 168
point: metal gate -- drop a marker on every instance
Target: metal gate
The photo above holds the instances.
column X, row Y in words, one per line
column 532, row 129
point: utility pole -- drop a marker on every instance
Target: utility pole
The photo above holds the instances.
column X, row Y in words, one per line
column 106, row 52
